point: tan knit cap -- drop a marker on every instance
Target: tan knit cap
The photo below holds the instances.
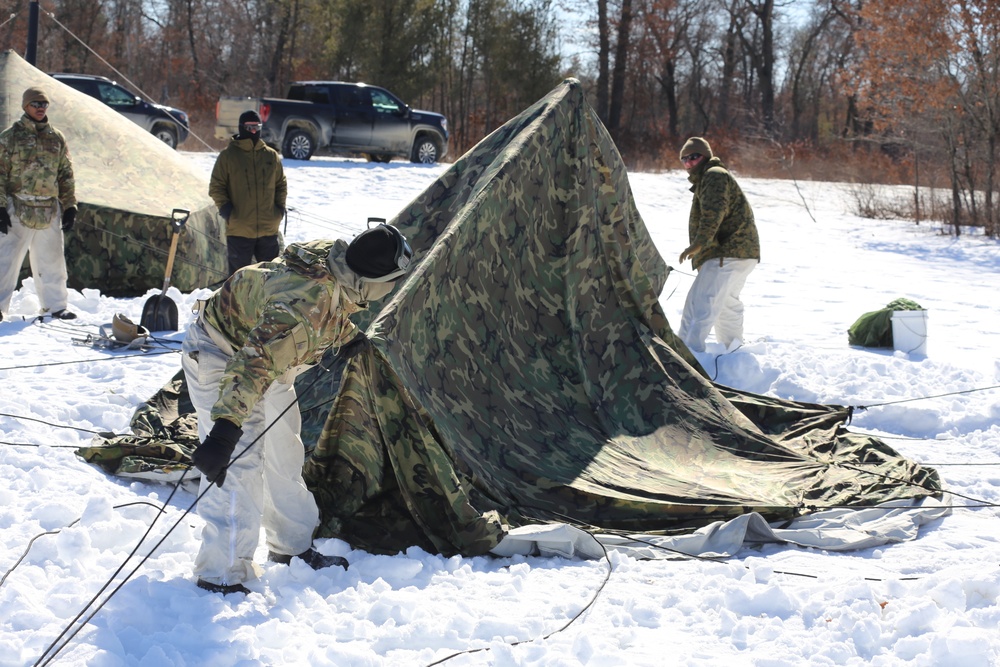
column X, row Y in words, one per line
column 33, row 94
column 696, row 145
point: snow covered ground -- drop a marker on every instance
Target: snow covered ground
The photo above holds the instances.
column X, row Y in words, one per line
column 66, row 529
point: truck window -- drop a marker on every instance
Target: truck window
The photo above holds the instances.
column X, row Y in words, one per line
column 383, row 103
column 315, row 94
column 115, row 96
column 352, row 97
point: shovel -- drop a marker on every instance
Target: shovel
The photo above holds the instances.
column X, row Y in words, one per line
column 160, row 312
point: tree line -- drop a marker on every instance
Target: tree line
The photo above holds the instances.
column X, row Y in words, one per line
column 907, row 88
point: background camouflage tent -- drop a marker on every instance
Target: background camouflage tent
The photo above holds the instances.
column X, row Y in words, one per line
column 127, row 183
column 525, row 372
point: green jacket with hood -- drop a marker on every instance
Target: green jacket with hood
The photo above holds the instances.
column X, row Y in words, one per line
column 281, row 316
column 249, row 175
column 721, row 220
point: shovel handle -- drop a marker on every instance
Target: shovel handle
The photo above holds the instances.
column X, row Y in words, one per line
column 178, row 218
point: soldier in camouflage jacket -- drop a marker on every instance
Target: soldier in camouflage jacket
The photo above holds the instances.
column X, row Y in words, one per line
column 724, row 248
column 266, row 324
column 37, row 204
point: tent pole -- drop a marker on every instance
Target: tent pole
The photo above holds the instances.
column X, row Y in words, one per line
column 29, row 53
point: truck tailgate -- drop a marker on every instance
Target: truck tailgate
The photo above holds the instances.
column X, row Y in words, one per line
column 227, row 114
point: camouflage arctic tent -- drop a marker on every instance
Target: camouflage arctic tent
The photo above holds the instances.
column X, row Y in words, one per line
column 127, row 183
column 526, row 372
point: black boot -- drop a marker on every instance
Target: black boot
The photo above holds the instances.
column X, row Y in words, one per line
column 313, row 559
column 223, row 588
column 63, row 315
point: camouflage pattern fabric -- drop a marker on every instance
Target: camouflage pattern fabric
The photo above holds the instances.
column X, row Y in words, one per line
column 278, row 316
column 34, row 161
column 127, row 184
column 164, row 434
column 525, row 372
column 721, row 220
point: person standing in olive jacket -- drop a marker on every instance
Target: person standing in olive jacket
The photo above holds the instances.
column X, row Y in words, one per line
column 724, row 248
column 249, row 188
column 37, row 204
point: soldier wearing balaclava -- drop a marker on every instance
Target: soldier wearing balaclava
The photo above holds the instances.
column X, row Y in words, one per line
column 267, row 323
column 249, row 188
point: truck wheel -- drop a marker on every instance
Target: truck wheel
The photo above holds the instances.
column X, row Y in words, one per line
column 425, row 151
column 166, row 134
column 298, row 145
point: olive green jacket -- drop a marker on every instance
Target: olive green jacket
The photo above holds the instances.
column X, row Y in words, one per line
column 281, row 316
column 35, row 170
column 721, row 220
column 249, row 176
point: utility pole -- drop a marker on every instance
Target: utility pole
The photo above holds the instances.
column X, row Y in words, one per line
column 29, row 53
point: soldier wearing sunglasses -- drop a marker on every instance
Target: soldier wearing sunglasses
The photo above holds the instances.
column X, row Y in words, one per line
column 37, row 204
column 724, row 248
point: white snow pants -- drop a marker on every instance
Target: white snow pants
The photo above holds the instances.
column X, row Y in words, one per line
column 47, row 260
column 714, row 300
column 263, row 487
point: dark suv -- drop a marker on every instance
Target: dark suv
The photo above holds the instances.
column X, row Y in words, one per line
column 167, row 124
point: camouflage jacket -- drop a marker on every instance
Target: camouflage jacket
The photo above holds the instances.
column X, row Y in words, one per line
column 250, row 177
column 280, row 316
column 35, row 165
column 721, row 220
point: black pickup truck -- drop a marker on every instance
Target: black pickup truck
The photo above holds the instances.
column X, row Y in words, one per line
column 341, row 118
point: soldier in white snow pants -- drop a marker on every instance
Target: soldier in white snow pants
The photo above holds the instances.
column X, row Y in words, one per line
column 263, row 486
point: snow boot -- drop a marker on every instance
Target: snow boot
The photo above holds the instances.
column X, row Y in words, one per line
column 223, row 588
column 63, row 315
column 313, row 559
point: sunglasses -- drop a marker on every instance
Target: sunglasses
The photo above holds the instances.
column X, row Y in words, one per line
column 252, row 126
column 38, row 105
column 693, row 157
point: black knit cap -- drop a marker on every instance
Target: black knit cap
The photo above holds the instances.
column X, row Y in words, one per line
column 372, row 253
column 249, row 116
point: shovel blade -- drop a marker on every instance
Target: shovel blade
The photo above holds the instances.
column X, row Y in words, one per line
column 159, row 314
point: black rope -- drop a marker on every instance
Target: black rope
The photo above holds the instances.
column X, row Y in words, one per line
column 91, row 360
column 573, row 619
column 42, row 660
column 862, row 408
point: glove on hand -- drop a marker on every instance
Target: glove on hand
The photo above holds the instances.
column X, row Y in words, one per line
column 354, row 347
column 226, row 210
column 4, row 220
column 212, row 456
column 69, row 218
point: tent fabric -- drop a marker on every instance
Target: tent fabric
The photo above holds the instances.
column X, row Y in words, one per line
column 525, row 372
column 839, row 529
column 127, row 183
column 874, row 329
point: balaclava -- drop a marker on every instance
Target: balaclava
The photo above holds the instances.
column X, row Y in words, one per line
column 249, row 117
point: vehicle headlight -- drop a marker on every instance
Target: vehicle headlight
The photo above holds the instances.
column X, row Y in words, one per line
column 444, row 124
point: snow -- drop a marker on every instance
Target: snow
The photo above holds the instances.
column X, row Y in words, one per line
column 68, row 529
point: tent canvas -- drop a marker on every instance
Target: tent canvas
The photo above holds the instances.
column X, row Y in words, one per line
column 127, row 184
column 524, row 373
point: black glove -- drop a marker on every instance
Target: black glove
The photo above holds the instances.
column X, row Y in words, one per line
column 69, row 218
column 280, row 210
column 226, row 210
column 354, row 347
column 4, row 220
column 212, row 456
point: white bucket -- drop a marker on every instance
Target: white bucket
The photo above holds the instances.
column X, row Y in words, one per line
column 909, row 331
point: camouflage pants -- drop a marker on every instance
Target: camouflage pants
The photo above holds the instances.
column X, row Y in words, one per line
column 263, row 486
column 47, row 259
column 714, row 300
